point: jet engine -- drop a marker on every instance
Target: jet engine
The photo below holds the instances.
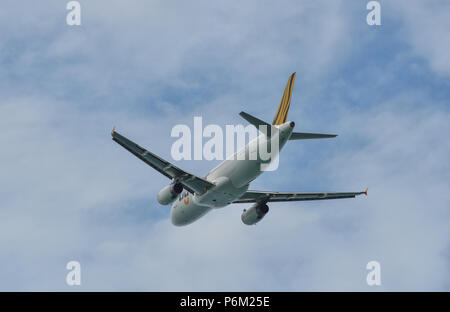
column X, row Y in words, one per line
column 255, row 213
column 168, row 194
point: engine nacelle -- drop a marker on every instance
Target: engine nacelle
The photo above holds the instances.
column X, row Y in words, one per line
column 254, row 214
column 168, row 194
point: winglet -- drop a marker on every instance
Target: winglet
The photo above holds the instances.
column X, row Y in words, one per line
column 113, row 130
column 365, row 192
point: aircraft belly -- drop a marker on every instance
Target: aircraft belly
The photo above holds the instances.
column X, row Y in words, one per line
column 244, row 171
column 222, row 194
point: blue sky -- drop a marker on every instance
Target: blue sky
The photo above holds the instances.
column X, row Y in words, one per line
column 70, row 193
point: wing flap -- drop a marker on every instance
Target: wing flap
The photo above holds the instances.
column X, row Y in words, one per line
column 191, row 182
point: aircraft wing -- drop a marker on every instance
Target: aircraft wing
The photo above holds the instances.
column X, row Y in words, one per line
column 263, row 196
column 190, row 182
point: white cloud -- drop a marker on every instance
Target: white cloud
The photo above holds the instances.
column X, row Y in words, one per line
column 425, row 27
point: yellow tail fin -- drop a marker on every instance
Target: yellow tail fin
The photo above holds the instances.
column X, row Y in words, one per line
column 283, row 108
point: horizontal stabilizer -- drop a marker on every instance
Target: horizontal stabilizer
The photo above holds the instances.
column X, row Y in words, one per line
column 283, row 107
column 258, row 123
column 307, row 136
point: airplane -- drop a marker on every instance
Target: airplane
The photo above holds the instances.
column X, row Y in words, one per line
column 192, row 196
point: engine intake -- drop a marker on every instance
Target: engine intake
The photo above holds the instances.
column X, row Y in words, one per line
column 168, row 194
column 255, row 213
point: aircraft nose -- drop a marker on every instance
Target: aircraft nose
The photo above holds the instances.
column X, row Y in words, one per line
column 292, row 124
column 178, row 221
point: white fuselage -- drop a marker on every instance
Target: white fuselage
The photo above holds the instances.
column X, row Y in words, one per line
column 231, row 178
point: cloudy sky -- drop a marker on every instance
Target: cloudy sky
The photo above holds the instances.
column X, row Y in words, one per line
column 70, row 193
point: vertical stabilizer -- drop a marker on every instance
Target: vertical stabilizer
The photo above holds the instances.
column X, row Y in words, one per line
column 283, row 108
